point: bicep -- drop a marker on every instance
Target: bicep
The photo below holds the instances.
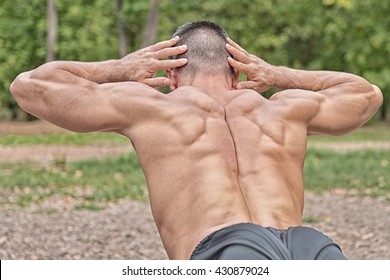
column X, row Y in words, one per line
column 69, row 102
column 79, row 105
column 332, row 113
column 343, row 109
column 82, row 109
column 109, row 107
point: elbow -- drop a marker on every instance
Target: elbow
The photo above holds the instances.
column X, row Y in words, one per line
column 16, row 89
column 374, row 100
column 19, row 90
column 377, row 97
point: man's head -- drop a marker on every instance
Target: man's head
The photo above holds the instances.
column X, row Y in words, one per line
column 207, row 54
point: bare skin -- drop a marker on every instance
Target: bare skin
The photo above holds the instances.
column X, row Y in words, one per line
column 214, row 151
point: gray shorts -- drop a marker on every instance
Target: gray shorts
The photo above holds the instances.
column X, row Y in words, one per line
column 253, row 242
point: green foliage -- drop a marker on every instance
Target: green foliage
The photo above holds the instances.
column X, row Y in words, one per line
column 134, row 14
column 87, row 30
column 366, row 172
column 341, row 35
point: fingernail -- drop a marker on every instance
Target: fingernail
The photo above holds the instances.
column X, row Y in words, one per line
column 166, row 82
column 183, row 47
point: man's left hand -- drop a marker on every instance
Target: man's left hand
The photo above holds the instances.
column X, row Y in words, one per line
column 258, row 72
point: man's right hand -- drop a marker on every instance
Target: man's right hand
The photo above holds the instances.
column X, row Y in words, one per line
column 259, row 73
column 141, row 65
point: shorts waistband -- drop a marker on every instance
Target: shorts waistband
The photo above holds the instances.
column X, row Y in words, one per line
column 206, row 239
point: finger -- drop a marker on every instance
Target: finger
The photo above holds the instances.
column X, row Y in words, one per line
column 164, row 44
column 164, row 53
column 157, row 82
column 238, row 65
column 170, row 63
column 235, row 45
column 241, row 56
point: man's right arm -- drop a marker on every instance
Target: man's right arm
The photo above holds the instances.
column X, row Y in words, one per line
column 96, row 96
column 329, row 102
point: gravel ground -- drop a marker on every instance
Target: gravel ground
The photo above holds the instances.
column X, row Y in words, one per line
column 126, row 230
column 360, row 225
column 121, row 231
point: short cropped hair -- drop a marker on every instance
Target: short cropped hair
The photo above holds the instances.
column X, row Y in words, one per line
column 206, row 52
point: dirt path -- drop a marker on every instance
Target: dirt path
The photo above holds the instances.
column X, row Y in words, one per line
column 44, row 154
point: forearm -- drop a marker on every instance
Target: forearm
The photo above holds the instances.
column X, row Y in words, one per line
column 139, row 66
column 97, row 72
column 262, row 76
column 287, row 78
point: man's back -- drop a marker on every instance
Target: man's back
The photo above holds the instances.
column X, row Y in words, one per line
column 211, row 163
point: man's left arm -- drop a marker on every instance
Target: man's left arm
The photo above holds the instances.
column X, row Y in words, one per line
column 328, row 102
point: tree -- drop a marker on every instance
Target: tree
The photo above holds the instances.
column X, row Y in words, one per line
column 150, row 31
column 51, row 29
column 121, row 29
column 134, row 13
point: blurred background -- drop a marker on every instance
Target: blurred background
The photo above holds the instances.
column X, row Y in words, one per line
column 341, row 35
column 39, row 161
column 67, row 195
